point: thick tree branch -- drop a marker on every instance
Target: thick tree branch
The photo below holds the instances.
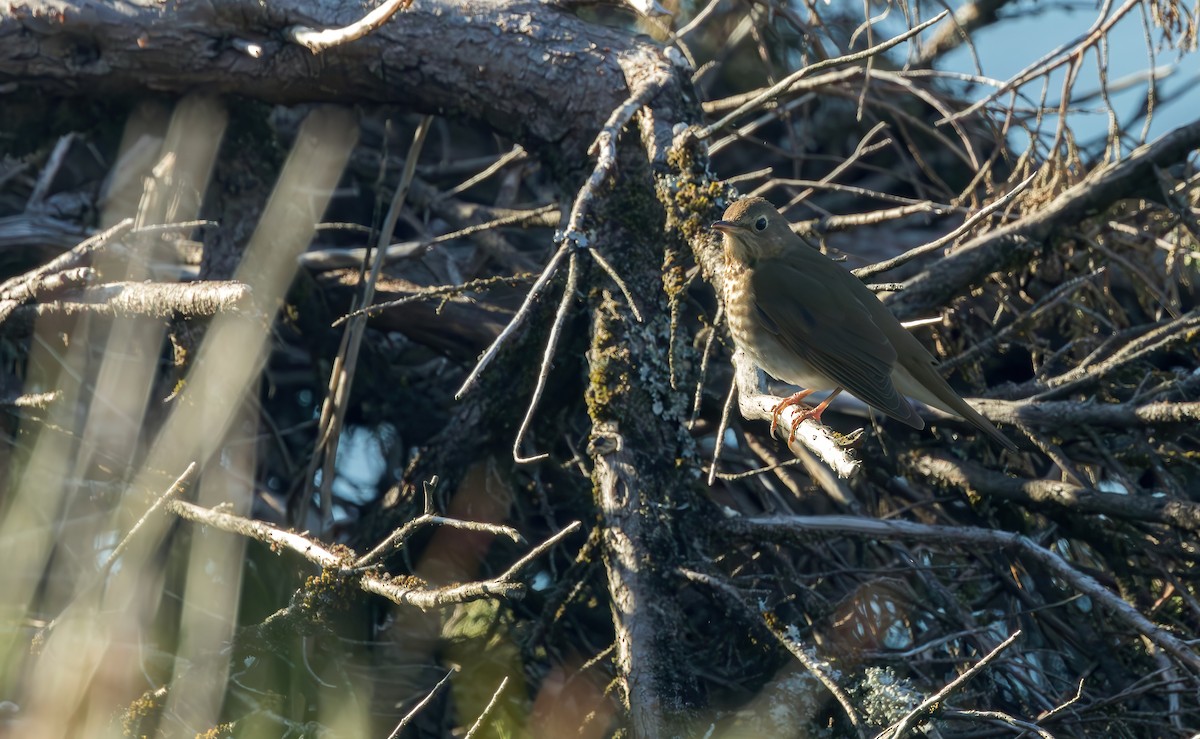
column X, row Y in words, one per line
column 583, row 70
column 946, row 471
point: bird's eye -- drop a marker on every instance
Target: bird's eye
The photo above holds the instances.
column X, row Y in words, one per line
column 760, row 224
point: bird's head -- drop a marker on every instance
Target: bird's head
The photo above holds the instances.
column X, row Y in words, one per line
column 753, row 230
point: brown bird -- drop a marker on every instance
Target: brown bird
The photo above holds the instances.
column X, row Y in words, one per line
column 806, row 321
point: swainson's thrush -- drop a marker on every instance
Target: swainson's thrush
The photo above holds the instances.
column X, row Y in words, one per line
column 807, row 321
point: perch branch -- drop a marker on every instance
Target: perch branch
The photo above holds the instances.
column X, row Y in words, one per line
column 757, row 406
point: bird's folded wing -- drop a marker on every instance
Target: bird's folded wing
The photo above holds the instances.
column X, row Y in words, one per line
column 831, row 330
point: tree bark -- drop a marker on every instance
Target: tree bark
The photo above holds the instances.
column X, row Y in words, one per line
column 528, row 70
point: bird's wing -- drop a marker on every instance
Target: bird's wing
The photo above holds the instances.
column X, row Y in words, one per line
column 814, row 315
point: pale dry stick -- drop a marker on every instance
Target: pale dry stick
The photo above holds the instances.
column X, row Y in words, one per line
column 1114, row 132
column 308, row 666
column 170, row 494
column 518, row 318
column 153, row 228
column 395, row 590
column 789, row 638
column 974, row 79
column 333, row 388
column 756, row 405
column 599, row 658
column 318, row 41
column 869, row 25
column 1036, row 129
column 251, row 49
column 616, row 277
column 785, row 84
column 536, row 552
column 746, row 176
column 39, row 401
column 408, row 717
column 327, row 259
column 898, row 730
column 862, row 149
column 9, row 289
column 932, row 101
column 1075, row 63
column 1056, row 58
column 771, row 463
column 807, row 85
column 487, row 710
column 154, row 299
column 1053, row 712
column 54, row 162
column 397, row 538
column 604, row 148
column 999, row 717
column 770, row 116
column 694, row 22
column 771, row 467
column 438, row 292
column 705, row 356
column 358, row 327
column 937, row 208
column 560, row 318
column 869, row 22
column 719, row 442
column 834, row 223
column 1151, row 83
column 967, row 225
column 454, row 167
column 1173, row 683
column 517, row 153
column 572, row 237
column 792, row 527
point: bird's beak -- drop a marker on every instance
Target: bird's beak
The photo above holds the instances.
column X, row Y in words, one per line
column 724, row 227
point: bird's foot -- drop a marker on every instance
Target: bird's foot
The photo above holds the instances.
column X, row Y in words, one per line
column 812, row 414
column 793, row 400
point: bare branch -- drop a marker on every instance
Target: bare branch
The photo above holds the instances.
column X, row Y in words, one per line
column 786, row 83
column 818, row 438
column 318, row 41
column 900, row 728
column 797, row 527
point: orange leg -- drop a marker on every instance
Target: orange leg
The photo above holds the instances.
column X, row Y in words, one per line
column 794, row 400
column 814, row 414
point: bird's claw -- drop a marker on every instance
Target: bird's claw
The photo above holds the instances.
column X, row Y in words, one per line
column 792, row 400
column 809, row 415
